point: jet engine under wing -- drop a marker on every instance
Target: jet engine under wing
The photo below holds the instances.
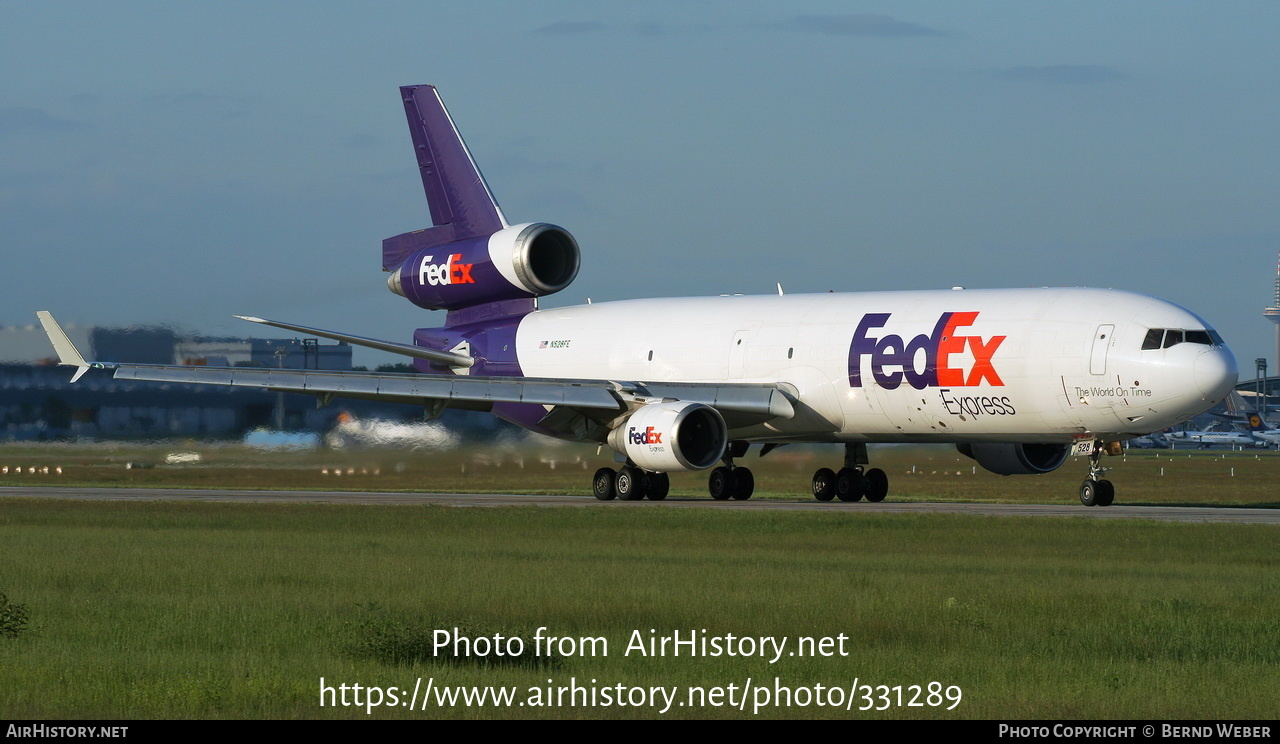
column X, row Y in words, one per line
column 599, row 400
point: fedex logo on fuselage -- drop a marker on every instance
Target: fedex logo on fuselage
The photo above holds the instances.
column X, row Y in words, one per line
column 648, row 436
column 452, row 271
column 893, row 360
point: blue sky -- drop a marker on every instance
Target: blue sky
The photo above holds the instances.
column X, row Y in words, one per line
column 180, row 162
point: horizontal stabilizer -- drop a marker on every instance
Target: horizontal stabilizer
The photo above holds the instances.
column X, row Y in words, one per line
column 396, row 249
column 446, row 358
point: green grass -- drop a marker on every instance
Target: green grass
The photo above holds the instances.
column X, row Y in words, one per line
column 921, row 473
column 198, row 610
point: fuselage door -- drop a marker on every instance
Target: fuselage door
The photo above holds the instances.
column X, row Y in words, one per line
column 1101, row 342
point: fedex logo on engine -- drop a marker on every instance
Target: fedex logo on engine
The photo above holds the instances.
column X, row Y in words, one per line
column 452, row 271
column 893, row 360
column 650, row 435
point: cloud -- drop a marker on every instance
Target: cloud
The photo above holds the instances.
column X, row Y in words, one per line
column 858, row 24
column 1063, row 74
column 21, row 120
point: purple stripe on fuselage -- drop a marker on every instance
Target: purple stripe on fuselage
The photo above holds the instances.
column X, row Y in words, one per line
column 493, row 346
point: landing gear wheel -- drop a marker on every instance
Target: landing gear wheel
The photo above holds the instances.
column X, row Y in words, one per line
column 602, row 484
column 1089, row 493
column 720, row 483
column 656, row 486
column 629, row 483
column 744, row 484
column 824, row 484
column 850, row 485
column 1105, row 493
column 1096, row 490
column 877, row 484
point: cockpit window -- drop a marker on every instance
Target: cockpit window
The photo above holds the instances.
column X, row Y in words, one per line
column 1163, row 338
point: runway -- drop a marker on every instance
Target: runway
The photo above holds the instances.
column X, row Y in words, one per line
column 1233, row 515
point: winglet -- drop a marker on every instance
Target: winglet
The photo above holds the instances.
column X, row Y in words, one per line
column 68, row 355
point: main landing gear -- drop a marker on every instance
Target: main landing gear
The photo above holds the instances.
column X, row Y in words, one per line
column 731, row 481
column 1095, row 490
column 629, row 483
column 853, row 482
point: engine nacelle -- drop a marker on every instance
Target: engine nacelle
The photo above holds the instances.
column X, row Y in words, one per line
column 529, row 260
column 679, row 435
column 1016, row 459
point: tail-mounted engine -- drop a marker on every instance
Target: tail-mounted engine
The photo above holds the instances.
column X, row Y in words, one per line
column 1017, row 459
column 679, row 435
column 517, row 262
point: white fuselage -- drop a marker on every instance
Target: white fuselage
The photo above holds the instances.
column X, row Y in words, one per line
column 1028, row 365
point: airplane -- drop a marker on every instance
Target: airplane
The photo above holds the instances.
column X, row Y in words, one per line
column 1207, row 438
column 1250, row 419
column 349, row 431
column 1266, row 435
column 1016, row 379
column 1151, row 441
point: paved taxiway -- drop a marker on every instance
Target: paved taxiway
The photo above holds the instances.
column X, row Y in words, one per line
column 1164, row 513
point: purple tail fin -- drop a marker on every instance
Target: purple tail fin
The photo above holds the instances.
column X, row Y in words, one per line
column 461, row 204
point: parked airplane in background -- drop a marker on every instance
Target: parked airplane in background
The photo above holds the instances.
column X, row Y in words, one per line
column 1249, row 419
column 349, row 431
column 1207, row 438
column 1263, row 433
column 1014, row 377
column 1153, row 440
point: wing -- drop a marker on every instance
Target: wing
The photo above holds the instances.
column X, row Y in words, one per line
column 582, row 409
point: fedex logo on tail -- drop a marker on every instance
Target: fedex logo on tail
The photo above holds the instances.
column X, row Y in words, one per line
column 452, row 271
column 893, row 360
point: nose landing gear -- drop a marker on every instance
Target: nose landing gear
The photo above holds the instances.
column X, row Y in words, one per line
column 1096, row 490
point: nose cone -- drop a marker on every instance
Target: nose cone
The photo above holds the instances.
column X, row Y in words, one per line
column 1215, row 373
